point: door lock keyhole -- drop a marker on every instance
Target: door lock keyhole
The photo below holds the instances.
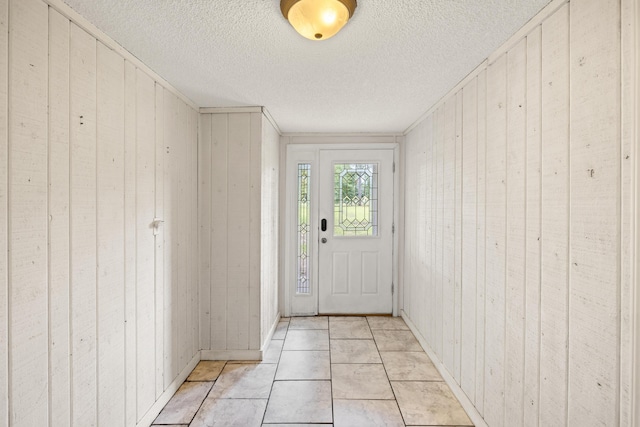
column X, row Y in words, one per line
column 324, row 240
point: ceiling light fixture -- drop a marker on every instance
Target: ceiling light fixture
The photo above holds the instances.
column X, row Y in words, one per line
column 318, row 19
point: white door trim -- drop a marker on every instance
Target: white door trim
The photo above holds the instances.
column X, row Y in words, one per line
column 293, row 156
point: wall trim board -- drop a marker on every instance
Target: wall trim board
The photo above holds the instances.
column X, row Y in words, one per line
column 227, row 110
column 269, row 336
column 630, row 295
column 254, row 109
column 540, row 17
column 83, row 23
column 231, row 355
column 635, row 264
column 354, row 137
column 271, row 120
column 472, row 75
column 168, row 393
column 472, row 412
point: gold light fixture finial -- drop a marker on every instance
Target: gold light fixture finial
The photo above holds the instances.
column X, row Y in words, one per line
column 318, row 19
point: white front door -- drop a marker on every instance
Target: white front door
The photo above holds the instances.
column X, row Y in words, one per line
column 355, row 220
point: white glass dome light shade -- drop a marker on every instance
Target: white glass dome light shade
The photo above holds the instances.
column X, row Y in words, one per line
column 318, row 19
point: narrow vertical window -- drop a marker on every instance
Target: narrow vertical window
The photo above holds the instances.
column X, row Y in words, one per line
column 304, row 228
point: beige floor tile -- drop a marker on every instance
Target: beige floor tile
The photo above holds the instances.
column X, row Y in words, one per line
column 354, row 351
column 307, row 340
column 304, row 365
column 244, row 381
column 281, row 331
column 409, row 366
column 318, row 322
column 360, row 381
column 297, row 425
column 272, row 354
column 207, row 370
column 353, row 329
column 184, row 404
column 387, row 340
column 429, row 403
column 299, row 402
column 366, row 413
column 230, row 413
column 383, row 322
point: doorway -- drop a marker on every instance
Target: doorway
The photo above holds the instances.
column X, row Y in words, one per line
column 339, row 253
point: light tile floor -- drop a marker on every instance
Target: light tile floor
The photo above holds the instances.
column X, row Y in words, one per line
column 322, row 371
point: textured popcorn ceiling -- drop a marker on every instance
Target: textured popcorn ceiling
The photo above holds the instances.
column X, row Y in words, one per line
column 392, row 61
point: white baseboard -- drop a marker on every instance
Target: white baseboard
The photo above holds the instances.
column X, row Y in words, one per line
column 468, row 406
column 230, row 354
column 153, row 412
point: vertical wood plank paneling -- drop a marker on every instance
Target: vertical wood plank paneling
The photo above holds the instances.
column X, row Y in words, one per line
column 427, row 236
column 516, row 231
column 83, row 227
column 27, row 273
column 594, row 287
column 171, row 209
column 555, row 218
column 219, row 229
column 548, row 207
column 427, row 143
column 435, row 303
column 533, row 179
column 448, row 264
column 59, row 326
column 130, row 388
column 481, row 241
column 195, row 296
column 469, row 234
column 270, row 216
column 457, row 281
column 409, row 214
column 181, row 238
column 629, row 30
column 185, row 226
column 77, row 226
column 440, row 232
column 145, row 246
column 204, row 227
column 423, row 223
column 159, row 239
column 254, row 195
column 496, row 242
column 238, row 226
column 4, row 209
column 110, row 238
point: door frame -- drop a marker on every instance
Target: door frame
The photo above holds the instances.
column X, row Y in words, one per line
column 296, row 153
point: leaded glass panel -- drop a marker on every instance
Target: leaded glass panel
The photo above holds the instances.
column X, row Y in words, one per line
column 355, row 199
column 304, row 229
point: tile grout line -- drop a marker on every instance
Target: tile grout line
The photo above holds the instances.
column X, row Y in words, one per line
column 395, row 398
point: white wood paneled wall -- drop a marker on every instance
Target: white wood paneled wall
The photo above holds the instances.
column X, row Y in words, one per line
column 97, row 315
column 270, row 231
column 238, row 169
column 517, row 200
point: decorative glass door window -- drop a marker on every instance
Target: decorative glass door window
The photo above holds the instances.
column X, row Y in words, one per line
column 355, row 199
column 304, row 229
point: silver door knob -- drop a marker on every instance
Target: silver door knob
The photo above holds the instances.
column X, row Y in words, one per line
column 324, row 240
